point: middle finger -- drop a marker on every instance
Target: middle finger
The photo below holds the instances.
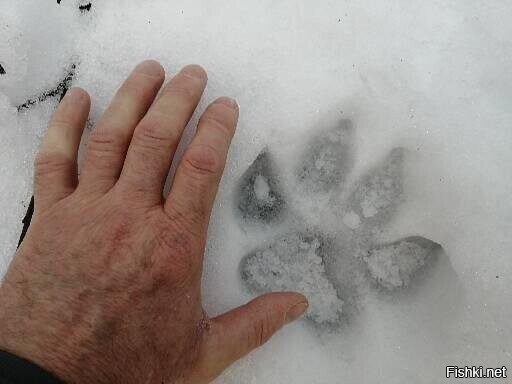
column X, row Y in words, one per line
column 156, row 137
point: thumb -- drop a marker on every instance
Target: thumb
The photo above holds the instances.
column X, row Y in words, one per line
column 236, row 333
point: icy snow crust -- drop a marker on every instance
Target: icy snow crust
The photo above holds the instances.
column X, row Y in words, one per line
column 370, row 170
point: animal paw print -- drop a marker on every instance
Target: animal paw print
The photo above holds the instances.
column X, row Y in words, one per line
column 328, row 247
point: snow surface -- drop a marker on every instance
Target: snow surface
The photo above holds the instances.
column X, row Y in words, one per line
column 432, row 78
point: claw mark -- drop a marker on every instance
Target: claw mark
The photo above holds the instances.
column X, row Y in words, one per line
column 59, row 90
column 259, row 193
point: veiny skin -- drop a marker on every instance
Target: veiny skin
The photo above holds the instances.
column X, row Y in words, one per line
column 106, row 287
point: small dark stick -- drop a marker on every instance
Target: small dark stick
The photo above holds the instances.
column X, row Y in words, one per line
column 85, row 7
column 59, row 90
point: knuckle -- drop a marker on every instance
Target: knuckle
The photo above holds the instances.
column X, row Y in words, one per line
column 202, row 160
column 49, row 163
column 152, row 132
column 105, row 142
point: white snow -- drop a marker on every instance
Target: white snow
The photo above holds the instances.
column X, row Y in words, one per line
column 432, row 77
column 261, row 188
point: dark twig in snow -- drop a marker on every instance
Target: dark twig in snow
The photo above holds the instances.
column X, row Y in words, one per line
column 85, row 7
column 59, row 90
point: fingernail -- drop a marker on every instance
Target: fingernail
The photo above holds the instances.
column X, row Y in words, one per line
column 296, row 311
column 72, row 93
column 227, row 101
column 195, row 71
column 150, row 67
column 76, row 94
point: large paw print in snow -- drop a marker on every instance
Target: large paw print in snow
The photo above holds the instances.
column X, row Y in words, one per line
column 333, row 254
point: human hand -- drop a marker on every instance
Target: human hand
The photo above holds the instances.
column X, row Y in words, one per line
column 106, row 286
